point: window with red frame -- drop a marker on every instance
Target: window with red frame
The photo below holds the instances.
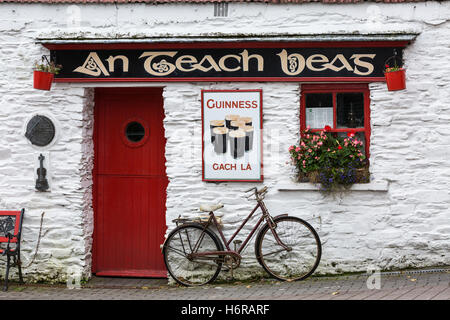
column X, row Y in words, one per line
column 343, row 107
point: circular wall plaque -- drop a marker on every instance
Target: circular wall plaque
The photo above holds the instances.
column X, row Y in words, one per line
column 40, row 130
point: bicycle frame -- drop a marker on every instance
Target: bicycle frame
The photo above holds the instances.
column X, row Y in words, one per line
column 212, row 219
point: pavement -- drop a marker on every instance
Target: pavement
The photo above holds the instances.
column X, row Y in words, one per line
column 431, row 284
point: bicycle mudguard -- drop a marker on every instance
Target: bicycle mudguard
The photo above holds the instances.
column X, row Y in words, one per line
column 280, row 215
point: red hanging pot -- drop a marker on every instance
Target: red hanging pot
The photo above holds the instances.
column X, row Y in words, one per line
column 42, row 80
column 396, row 80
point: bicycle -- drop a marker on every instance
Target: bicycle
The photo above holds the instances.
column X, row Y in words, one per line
column 288, row 248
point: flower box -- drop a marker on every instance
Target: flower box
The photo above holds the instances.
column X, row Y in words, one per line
column 362, row 175
column 333, row 161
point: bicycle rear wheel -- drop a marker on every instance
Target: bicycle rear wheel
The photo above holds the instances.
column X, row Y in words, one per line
column 303, row 255
column 188, row 270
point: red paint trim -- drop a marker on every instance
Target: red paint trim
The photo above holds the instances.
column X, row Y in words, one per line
column 133, row 273
column 261, row 179
column 334, row 101
column 340, row 130
column 203, row 135
column 231, row 44
column 334, row 88
column 230, row 79
column 17, row 223
column 10, row 213
column 94, row 266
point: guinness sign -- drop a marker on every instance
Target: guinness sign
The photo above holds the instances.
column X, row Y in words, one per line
column 224, row 64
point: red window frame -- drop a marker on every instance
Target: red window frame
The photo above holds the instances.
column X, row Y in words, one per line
column 334, row 89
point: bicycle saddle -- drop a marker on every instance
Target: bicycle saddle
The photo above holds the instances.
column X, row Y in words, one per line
column 210, row 207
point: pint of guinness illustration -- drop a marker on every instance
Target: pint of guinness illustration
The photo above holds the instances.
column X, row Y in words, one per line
column 215, row 124
column 235, row 125
column 247, row 120
column 229, row 118
column 248, row 137
column 220, row 139
column 237, row 143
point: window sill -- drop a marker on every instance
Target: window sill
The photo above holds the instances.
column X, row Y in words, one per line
column 375, row 186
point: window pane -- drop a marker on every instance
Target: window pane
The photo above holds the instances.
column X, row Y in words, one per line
column 350, row 110
column 319, row 110
column 135, row 131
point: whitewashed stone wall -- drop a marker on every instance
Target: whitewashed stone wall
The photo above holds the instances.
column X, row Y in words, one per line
column 406, row 225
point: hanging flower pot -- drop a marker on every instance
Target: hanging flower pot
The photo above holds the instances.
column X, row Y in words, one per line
column 395, row 80
column 42, row 80
column 394, row 73
column 44, row 73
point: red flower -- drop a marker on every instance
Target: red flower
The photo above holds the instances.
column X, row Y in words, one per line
column 351, row 133
column 327, row 128
column 339, row 147
column 387, row 66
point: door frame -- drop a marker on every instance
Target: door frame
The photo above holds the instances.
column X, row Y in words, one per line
column 99, row 91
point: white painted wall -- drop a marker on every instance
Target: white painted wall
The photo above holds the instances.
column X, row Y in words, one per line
column 405, row 226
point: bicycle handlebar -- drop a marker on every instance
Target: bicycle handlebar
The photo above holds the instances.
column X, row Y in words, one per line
column 257, row 192
column 263, row 190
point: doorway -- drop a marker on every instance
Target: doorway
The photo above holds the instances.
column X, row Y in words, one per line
column 130, row 182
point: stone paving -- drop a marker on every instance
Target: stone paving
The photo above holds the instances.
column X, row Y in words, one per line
column 406, row 285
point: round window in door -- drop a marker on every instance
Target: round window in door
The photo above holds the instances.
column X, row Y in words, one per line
column 135, row 132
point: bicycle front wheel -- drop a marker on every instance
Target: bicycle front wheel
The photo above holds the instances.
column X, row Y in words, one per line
column 303, row 252
column 190, row 270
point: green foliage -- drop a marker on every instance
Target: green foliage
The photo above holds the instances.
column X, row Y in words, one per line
column 392, row 69
column 47, row 67
column 334, row 158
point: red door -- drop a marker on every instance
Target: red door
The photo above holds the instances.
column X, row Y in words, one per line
column 129, row 182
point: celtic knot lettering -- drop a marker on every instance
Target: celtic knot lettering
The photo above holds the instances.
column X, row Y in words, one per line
column 91, row 65
column 162, row 66
column 293, row 63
